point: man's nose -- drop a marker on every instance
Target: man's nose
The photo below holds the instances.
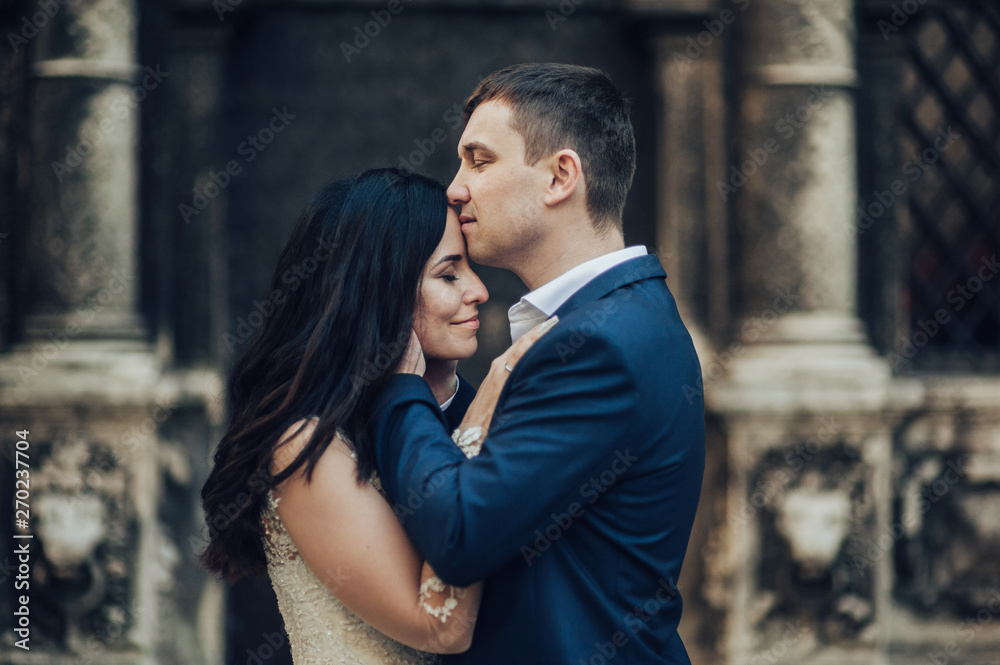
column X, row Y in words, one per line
column 457, row 192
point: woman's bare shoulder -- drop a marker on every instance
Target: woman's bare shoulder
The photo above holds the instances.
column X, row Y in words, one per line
column 296, row 437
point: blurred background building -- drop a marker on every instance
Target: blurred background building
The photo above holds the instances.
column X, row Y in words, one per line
column 819, row 178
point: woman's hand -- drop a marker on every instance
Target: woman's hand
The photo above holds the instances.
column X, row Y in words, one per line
column 439, row 374
column 480, row 412
column 412, row 361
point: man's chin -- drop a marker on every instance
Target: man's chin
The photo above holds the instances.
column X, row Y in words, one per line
column 479, row 254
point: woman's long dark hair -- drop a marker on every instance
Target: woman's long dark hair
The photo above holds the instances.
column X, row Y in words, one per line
column 343, row 292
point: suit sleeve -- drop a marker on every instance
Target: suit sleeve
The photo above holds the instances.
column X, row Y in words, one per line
column 564, row 416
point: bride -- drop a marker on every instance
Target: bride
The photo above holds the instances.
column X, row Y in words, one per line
column 293, row 492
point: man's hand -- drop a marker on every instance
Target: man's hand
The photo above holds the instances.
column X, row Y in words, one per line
column 412, row 361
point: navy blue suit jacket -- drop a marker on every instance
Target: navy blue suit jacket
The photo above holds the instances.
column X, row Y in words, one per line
column 578, row 510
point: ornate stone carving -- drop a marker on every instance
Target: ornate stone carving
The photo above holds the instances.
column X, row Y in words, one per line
column 87, row 536
column 813, row 32
column 947, row 535
column 812, row 521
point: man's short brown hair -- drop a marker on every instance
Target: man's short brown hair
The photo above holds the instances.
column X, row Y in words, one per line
column 557, row 106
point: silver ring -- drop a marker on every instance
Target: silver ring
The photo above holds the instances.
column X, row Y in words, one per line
column 507, row 367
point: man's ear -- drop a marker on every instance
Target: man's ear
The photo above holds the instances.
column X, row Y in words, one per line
column 566, row 175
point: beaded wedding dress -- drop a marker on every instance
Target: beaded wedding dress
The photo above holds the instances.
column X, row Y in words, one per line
column 321, row 631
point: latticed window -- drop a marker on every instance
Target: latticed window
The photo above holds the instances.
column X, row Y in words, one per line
column 947, row 182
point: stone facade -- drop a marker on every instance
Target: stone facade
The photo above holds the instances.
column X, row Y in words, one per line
column 153, row 157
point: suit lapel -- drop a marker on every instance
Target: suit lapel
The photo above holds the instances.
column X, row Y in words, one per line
column 633, row 270
column 629, row 272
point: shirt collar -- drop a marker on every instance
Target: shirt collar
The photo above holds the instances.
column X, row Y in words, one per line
column 551, row 296
column 451, row 399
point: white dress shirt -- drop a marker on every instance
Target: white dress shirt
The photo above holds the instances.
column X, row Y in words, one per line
column 540, row 304
column 451, row 399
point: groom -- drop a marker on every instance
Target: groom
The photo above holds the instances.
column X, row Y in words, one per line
column 578, row 509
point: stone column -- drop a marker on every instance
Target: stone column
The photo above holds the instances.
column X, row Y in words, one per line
column 107, row 438
column 691, row 219
column 85, row 91
column 794, row 182
column 809, row 446
column 691, row 242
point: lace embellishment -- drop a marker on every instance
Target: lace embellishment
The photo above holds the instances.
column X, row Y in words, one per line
column 436, row 585
column 470, row 441
column 321, row 631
